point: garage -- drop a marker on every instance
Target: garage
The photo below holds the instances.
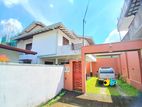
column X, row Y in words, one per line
column 125, row 58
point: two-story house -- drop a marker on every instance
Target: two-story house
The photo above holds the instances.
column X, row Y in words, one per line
column 54, row 44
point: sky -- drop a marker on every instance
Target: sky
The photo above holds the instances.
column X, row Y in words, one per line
column 101, row 18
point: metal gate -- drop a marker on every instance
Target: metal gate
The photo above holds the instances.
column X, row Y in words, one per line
column 77, row 79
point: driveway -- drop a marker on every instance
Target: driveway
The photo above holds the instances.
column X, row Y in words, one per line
column 96, row 96
column 75, row 99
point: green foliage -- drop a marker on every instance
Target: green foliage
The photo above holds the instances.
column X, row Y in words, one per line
column 128, row 89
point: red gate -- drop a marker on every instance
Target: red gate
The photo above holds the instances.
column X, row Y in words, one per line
column 77, row 80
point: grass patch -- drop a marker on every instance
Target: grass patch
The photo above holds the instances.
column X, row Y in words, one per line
column 126, row 88
column 53, row 100
column 93, row 87
column 113, row 91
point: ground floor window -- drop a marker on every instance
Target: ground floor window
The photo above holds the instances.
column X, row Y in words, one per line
column 27, row 61
column 62, row 63
column 48, row 62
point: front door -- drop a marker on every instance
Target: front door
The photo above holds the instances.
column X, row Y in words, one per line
column 77, row 80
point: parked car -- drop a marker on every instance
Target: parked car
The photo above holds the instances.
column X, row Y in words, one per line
column 106, row 76
column 106, row 73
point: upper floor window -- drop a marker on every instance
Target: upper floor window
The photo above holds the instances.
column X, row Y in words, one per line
column 65, row 41
column 29, row 46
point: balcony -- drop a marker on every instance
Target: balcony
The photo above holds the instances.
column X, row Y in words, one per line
column 69, row 49
column 135, row 28
column 128, row 13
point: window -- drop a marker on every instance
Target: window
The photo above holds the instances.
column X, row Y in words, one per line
column 72, row 46
column 62, row 63
column 29, row 46
column 65, row 41
column 27, row 61
column 48, row 63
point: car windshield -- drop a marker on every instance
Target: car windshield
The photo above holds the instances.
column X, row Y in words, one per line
column 106, row 70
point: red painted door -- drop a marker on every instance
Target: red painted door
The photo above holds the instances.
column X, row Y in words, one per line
column 77, row 80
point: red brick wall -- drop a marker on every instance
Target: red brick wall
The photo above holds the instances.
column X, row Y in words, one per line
column 134, row 69
column 124, row 69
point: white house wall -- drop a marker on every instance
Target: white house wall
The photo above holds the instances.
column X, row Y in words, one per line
column 23, row 85
column 12, row 55
column 45, row 43
column 22, row 43
column 75, row 41
column 60, row 38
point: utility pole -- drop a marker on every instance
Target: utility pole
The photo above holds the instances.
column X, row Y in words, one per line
column 84, row 21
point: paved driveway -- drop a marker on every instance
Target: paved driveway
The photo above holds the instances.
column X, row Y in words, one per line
column 96, row 96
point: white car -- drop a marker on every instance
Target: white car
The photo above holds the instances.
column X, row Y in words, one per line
column 106, row 73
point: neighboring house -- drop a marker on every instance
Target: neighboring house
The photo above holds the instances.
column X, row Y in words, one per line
column 54, row 44
column 131, row 20
column 13, row 53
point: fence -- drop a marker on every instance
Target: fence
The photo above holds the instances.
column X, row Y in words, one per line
column 29, row 85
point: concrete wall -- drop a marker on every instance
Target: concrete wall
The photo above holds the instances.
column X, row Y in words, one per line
column 12, row 55
column 29, row 85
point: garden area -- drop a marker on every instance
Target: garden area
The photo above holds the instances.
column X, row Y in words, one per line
column 121, row 89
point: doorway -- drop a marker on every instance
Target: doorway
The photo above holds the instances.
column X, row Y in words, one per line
column 77, row 79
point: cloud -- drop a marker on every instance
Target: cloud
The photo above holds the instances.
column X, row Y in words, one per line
column 11, row 3
column 51, row 5
column 114, row 36
column 10, row 27
column 36, row 13
column 33, row 10
column 71, row 1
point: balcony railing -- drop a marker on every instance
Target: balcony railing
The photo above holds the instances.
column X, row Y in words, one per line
column 69, row 49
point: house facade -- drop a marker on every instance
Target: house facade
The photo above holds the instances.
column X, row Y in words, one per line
column 130, row 20
column 54, row 44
